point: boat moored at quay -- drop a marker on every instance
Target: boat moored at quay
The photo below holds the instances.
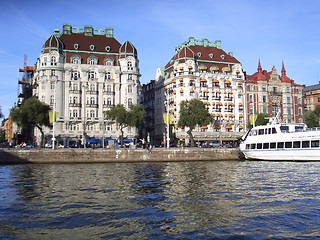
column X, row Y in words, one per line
column 278, row 141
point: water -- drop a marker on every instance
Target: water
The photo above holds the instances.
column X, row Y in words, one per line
column 189, row 200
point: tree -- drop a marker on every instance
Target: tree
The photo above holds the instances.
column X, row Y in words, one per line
column 193, row 113
column 312, row 118
column 125, row 118
column 1, row 115
column 262, row 119
column 32, row 113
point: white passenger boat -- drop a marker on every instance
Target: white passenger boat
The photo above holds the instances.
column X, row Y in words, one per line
column 278, row 141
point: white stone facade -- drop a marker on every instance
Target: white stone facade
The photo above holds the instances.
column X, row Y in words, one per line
column 84, row 83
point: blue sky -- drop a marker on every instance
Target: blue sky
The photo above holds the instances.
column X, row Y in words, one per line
column 274, row 31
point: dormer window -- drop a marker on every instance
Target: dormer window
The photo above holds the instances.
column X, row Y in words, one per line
column 199, row 54
column 92, row 47
column 76, row 46
column 210, row 55
column 108, row 48
column 92, row 60
column 222, row 56
column 53, row 61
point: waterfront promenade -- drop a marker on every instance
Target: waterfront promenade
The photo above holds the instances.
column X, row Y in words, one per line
column 14, row 156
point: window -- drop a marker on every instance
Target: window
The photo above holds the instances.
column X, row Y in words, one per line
column 53, row 61
column 299, row 101
column 314, row 143
column 289, row 111
column 107, row 76
column 75, row 113
column 92, row 75
column 296, row 144
column 264, row 98
column 288, row 144
column 129, row 65
column 52, row 85
column 75, row 75
column 259, row 145
column 288, row 100
column 51, row 100
column 53, row 72
column 129, row 102
column 129, row 89
column 109, row 102
column 280, row 144
column 92, row 100
column 253, row 146
column 92, row 87
column 108, row 88
column 129, row 76
column 273, row 145
column 305, row 144
column 92, row 113
column 288, row 89
column 265, row 145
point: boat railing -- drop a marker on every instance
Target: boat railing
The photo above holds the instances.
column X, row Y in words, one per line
column 313, row 129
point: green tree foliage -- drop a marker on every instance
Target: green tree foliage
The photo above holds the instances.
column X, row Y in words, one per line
column 1, row 114
column 32, row 113
column 312, row 118
column 193, row 113
column 133, row 117
column 262, row 119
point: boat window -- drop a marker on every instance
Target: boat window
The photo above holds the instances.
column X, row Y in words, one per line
column 274, row 130
column 280, row 144
column 265, row 145
column 261, row 132
column 315, row 143
column 259, row 145
column 269, row 130
column 305, row 144
column 296, row 144
column 253, row 146
column 247, row 146
column 273, row 144
column 288, row 144
column 298, row 128
column 284, row 128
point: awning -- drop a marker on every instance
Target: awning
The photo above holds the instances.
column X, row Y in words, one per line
column 127, row 140
column 228, row 127
column 92, row 140
column 109, row 138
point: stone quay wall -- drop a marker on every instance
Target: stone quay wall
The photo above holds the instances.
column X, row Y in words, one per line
column 13, row 156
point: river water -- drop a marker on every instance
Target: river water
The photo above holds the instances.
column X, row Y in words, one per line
column 176, row 200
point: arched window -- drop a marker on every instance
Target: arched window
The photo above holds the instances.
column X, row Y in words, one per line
column 92, row 60
column 53, row 61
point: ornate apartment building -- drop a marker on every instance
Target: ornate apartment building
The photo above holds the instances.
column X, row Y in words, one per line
column 311, row 97
column 81, row 73
column 269, row 93
column 201, row 69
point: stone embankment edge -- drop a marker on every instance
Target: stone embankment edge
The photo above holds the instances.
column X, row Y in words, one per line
column 116, row 156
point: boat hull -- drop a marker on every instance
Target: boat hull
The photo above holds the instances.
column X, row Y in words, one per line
column 283, row 155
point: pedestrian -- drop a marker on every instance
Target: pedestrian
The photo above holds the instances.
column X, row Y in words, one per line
column 150, row 148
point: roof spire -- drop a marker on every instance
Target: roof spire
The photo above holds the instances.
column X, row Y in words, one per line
column 283, row 70
column 259, row 69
